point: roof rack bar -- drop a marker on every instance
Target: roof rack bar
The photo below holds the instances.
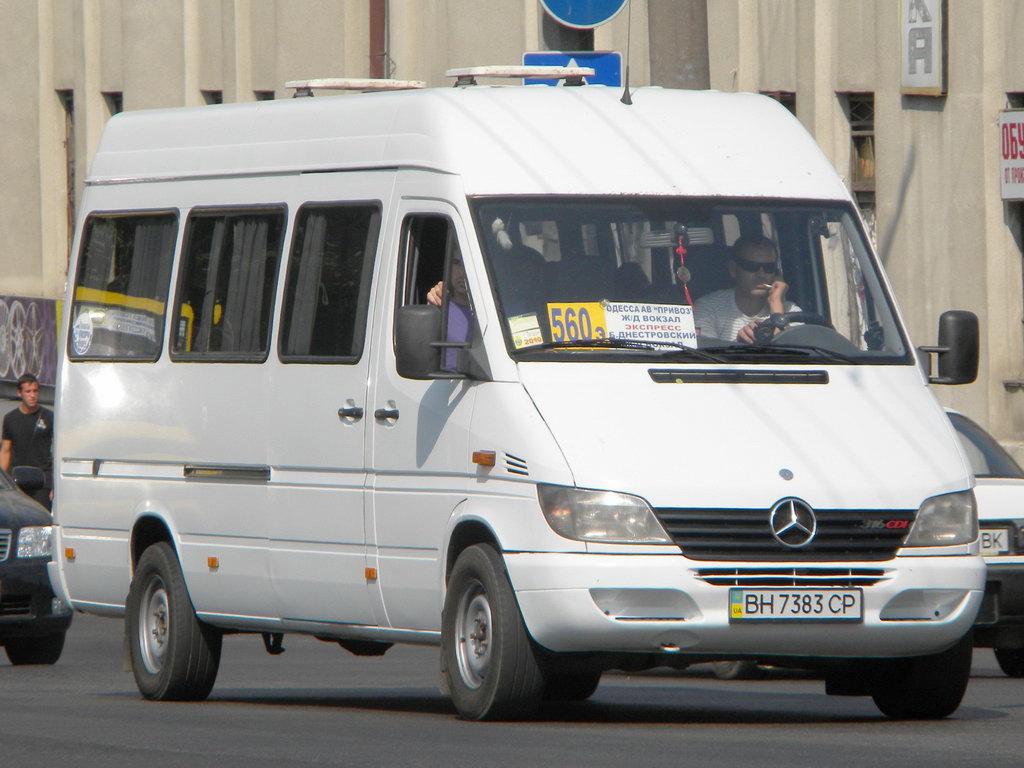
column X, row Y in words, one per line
column 572, row 75
column 364, row 84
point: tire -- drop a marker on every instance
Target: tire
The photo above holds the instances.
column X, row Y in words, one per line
column 574, row 686
column 488, row 660
column 742, row 669
column 174, row 656
column 924, row 687
column 1011, row 661
column 35, row 650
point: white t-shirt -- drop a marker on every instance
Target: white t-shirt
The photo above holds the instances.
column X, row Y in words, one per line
column 717, row 315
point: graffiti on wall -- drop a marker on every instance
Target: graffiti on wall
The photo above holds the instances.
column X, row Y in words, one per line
column 28, row 338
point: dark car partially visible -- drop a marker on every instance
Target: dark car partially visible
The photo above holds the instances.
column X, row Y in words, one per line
column 33, row 621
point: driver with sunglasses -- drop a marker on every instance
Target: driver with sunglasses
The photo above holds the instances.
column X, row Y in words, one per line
column 732, row 314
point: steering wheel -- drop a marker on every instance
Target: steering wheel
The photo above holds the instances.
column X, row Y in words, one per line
column 765, row 330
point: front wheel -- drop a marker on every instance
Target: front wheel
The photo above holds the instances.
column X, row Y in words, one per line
column 487, row 658
column 174, row 656
column 35, row 650
column 924, row 687
column 1011, row 661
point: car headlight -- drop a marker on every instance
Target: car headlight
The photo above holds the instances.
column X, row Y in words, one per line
column 604, row 516
column 34, row 541
column 944, row 521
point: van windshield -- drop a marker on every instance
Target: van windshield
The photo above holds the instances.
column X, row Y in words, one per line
column 707, row 279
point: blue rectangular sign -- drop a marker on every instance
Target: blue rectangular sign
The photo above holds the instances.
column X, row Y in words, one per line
column 607, row 65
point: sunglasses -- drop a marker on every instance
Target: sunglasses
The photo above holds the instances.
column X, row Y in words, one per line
column 753, row 266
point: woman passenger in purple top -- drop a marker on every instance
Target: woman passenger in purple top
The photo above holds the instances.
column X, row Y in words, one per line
column 460, row 311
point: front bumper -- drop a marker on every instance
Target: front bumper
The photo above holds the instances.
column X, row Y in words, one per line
column 27, row 601
column 661, row 603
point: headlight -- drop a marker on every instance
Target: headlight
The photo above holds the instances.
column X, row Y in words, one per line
column 944, row 521
column 34, row 541
column 600, row 516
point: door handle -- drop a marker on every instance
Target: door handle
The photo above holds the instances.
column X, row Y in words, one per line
column 350, row 413
column 386, row 414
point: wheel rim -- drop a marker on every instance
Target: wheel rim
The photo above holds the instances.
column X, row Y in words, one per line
column 153, row 626
column 473, row 645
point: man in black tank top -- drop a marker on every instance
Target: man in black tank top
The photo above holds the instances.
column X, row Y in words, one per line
column 28, row 437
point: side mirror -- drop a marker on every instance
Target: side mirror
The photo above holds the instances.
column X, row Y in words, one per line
column 417, row 330
column 957, row 350
column 28, row 479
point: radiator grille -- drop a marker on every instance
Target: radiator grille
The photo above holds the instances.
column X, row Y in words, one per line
column 744, row 534
column 16, row 605
column 792, row 577
column 5, row 544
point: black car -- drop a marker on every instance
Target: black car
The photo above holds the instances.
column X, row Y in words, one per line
column 33, row 621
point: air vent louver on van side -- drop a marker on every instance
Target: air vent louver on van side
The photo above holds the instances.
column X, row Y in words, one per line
column 744, row 534
column 5, row 544
column 516, row 466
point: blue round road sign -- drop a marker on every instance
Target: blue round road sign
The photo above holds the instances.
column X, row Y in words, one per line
column 583, row 14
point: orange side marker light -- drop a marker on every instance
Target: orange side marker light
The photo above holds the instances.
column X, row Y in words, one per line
column 483, row 458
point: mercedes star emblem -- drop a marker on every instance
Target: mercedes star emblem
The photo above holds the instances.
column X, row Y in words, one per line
column 793, row 523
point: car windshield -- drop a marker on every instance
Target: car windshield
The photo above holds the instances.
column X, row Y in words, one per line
column 656, row 277
column 987, row 457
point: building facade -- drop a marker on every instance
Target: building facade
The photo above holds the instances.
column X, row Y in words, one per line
column 923, row 162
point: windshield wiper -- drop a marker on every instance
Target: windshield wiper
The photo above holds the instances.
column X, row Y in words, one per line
column 618, row 343
column 782, row 350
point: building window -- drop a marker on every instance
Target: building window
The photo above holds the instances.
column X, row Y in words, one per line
column 1015, row 100
column 785, row 98
column 213, row 97
column 860, row 111
column 114, row 101
column 67, row 101
column 263, row 95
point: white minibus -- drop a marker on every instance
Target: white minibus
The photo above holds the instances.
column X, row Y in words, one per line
column 558, row 381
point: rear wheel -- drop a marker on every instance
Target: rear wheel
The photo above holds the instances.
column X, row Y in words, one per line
column 174, row 656
column 487, row 658
column 925, row 687
column 35, row 650
column 1011, row 661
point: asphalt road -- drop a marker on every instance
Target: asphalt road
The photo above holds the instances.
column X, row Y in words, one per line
column 318, row 705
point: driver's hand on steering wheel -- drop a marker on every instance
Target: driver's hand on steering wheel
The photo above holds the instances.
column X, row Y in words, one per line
column 746, row 334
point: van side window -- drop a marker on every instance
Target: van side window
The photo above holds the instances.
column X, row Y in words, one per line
column 328, row 285
column 121, row 287
column 226, row 286
column 425, row 239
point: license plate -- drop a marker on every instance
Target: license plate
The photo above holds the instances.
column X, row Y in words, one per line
column 795, row 605
column 995, row 541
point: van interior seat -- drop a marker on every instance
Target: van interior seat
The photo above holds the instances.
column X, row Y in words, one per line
column 709, row 269
column 578, row 277
column 518, row 273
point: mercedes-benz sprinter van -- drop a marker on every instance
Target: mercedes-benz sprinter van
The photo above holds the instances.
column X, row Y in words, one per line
column 438, row 366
